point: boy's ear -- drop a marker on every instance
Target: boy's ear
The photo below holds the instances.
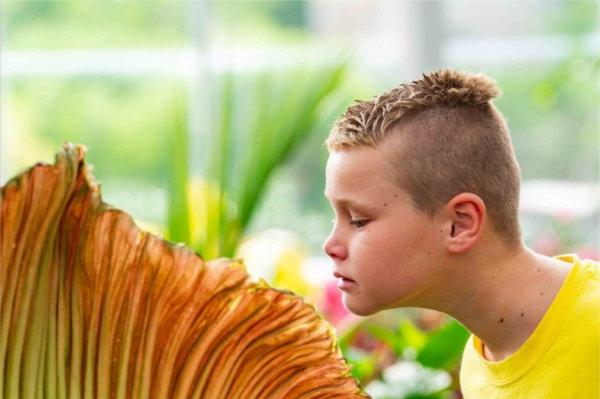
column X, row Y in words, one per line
column 465, row 220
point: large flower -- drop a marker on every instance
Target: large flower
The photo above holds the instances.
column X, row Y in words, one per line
column 93, row 307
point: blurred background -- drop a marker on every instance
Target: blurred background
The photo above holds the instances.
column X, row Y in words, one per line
column 206, row 122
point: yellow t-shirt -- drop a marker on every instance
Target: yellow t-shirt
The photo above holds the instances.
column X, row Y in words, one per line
column 561, row 359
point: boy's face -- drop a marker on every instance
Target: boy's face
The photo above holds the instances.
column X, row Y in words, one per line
column 390, row 253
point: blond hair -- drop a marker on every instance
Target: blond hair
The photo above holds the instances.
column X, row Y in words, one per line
column 444, row 136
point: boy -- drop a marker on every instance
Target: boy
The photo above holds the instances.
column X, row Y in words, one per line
column 425, row 188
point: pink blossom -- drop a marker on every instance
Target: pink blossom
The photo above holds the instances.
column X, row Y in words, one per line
column 332, row 306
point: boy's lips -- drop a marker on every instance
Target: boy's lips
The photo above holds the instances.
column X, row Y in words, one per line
column 338, row 275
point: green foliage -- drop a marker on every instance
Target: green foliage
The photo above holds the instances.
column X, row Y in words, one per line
column 443, row 347
column 440, row 348
column 261, row 118
column 552, row 114
column 412, row 336
column 363, row 363
column 51, row 24
column 250, row 21
column 552, row 105
column 574, row 17
column 124, row 121
column 178, row 206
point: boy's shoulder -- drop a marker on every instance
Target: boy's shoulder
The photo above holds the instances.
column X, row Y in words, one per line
column 586, row 282
column 588, row 301
column 564, row 347
column 592, row 268
column 587, row 268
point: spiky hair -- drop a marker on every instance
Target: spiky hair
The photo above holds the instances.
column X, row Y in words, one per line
column 365, row 122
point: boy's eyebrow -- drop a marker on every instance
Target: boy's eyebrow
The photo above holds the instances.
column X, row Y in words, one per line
column 349, row 203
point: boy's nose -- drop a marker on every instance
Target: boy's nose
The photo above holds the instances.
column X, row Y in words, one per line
column 334, row 249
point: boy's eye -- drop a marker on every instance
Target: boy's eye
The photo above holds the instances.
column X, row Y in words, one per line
column 359, row 223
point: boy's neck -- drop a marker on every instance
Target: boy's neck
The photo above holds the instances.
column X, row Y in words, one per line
column 502, row 299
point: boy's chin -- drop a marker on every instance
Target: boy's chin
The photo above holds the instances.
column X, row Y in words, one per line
column 359, row 309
